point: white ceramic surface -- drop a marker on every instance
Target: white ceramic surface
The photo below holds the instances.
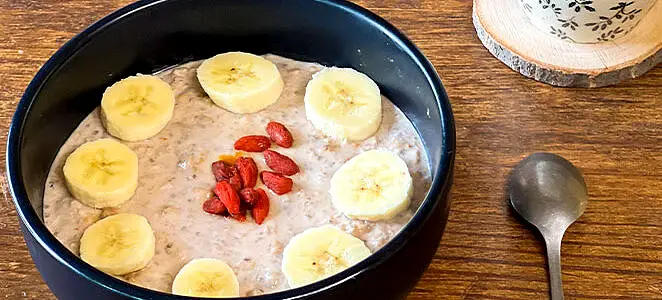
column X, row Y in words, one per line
column 586, row 21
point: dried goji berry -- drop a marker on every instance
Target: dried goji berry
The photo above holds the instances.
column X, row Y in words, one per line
column 278, row 183
column 223, row 170
column 261, row 207
column 252, row 143
column 248, row 196
column 240, row 216
column 279, row 134
column 214, row 205
column 228, row 195
column 235, row 182
column 247, row 171
column 280, row 163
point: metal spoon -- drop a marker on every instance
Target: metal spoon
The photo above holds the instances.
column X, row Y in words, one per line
column 550, row 193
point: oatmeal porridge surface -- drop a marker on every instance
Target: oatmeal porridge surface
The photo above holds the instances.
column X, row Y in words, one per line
column 175, row 179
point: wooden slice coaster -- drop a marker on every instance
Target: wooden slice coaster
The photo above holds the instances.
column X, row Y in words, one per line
column 508, row 34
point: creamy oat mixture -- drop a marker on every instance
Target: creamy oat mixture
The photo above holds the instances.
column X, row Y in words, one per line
column 175, row 179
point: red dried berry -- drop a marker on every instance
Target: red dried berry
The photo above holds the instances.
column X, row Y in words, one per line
column 240, row 216
column 278, row 183
column 280, row 163
column 228, row 195
column 247, row 171
column 261, row 207
column 214, row 205
column 235, row 182
column 223, row 170
column 252, row 143
column 279, row 134
column 248, row 196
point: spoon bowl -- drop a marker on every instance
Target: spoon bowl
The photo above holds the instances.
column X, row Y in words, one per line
column 550, row 193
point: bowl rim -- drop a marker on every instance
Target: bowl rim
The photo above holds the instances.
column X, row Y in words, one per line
column 33, row 225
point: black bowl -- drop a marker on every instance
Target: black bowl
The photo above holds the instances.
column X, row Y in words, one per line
column 150, row 35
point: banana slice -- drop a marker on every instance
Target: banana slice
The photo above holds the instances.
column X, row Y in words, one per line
column 321, row 252
column 102, row 173
column 240, row 82
column 374, row 185
column 119, row 244
column 344, row 104
column 206, row 277
column 137, row 108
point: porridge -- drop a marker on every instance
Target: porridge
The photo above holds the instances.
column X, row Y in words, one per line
column 175, row 180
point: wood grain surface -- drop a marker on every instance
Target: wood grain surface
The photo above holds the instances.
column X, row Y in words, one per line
column 613, row 134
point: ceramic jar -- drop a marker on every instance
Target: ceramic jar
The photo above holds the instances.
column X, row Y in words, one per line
column 586, row 21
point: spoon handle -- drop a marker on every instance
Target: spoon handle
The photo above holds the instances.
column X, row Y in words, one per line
column 553, row 242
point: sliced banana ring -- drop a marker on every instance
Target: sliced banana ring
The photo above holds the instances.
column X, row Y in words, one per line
column 119, row 244
column 344, row 104
column 240, row 82
column 321, row 252
column 206, row 277
column 102, row 173
column 137, row 108
column 374, row 185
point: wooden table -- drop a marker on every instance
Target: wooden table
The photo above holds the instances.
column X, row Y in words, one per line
column 614, row 134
